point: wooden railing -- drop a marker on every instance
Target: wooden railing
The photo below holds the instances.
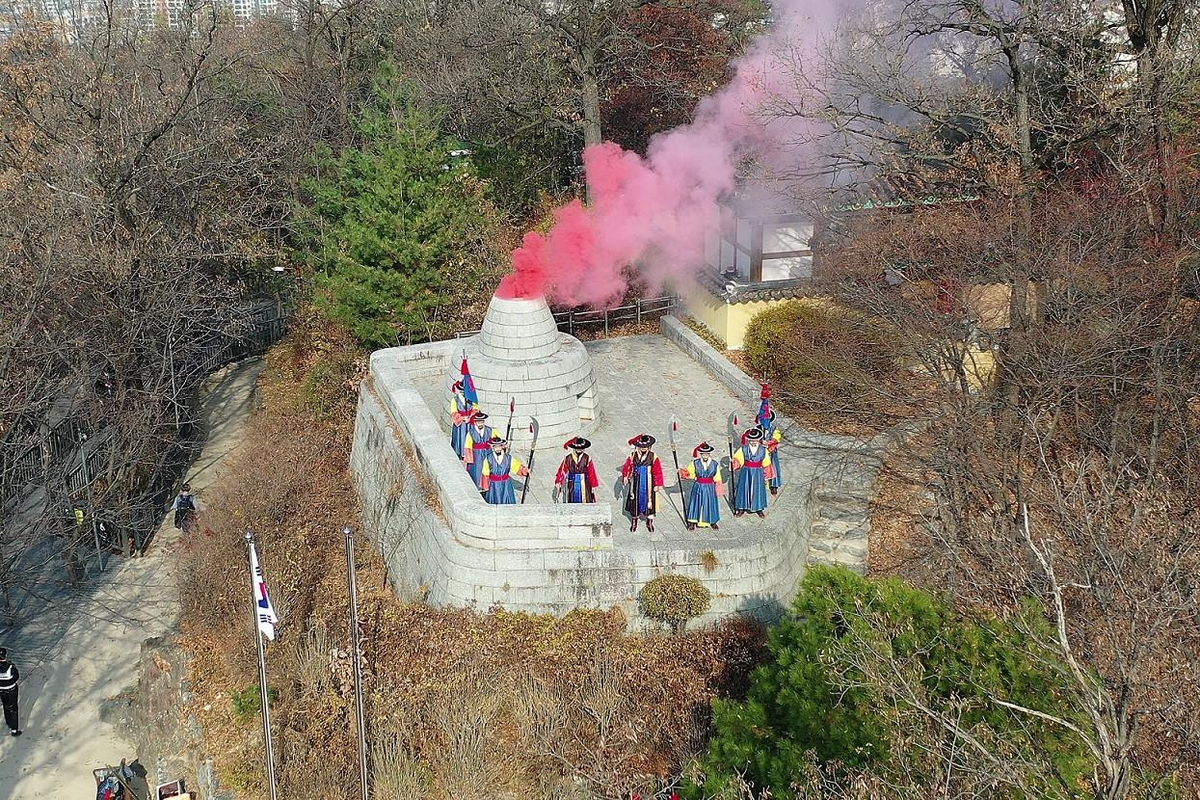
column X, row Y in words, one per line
column 641, row 309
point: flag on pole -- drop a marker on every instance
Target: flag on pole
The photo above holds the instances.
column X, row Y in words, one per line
column 468, row 385
column 764, row 409
column 266, row 611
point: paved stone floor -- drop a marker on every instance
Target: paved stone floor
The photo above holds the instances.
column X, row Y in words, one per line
column 642, row 381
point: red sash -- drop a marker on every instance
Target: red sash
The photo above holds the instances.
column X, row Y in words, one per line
column 752, row 464
column 706, row 480
column 495, row 478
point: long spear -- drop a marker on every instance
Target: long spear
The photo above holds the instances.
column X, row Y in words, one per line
column 512, row 406
column 731, row 430
column 533, row 432
column 672, row 428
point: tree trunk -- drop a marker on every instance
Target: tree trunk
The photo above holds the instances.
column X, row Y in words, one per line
column 592, row 131
column 1012, row 350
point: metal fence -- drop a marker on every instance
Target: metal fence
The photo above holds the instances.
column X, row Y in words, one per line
column 641, row 309
column 71, row 446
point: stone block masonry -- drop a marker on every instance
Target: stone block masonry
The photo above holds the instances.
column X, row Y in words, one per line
column 443, row 543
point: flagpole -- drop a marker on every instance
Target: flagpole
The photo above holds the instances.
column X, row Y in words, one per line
column 264, row 694
column 357, row 656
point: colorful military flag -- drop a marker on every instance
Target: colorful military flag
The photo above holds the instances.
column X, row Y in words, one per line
column 764, row 409
column 468, row 384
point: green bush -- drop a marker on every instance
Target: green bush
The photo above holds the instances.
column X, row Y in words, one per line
column 824, row 357
column 850, row 663
column 674, row 599
column 247, row 703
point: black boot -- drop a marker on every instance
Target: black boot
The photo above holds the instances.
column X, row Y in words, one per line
column 739, row 513
column 650, row 524
column 774, row 490
column 691, row 526
column 716, row 527
column 633, row 525
column 761, row 514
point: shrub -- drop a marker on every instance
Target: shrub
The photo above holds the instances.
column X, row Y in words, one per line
column 820, row 355
column 853, row 665
column 247, row 703
column 674, row 599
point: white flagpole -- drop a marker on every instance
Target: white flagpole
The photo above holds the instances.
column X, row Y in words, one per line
column 255, row 579
column 356, row 654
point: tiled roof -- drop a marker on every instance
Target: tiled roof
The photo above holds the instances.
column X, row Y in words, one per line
column 740, row 290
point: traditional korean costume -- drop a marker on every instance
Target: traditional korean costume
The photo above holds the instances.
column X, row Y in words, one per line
column 703, row 505
column 576, row 476
column 460, row 419
column 643, row 477
column 476, row 447
column 772, row 436
column 499, row 466
column 752, row 462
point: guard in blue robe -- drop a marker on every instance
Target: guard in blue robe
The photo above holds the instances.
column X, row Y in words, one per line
column 460, row 418
column 752, row 465
column 703, row 505
column 772, row 436
column 499, row 467
column 476, row 447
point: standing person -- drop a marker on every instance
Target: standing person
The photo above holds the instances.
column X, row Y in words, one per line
column 772, row 436
column 498, row 468
column 703, row 505
column 643, row 478
column 576, row 477
column 460, row 417
column 9, row 677
column 476, row 446
column 752, row 465
column 184, row 506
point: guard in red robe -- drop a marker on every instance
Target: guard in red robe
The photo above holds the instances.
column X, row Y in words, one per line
column 643, row 477
column 576, row 477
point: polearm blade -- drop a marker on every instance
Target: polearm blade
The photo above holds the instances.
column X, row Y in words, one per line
column 673, row 431
column 533, row 432
column 731, row 430
column 512, row 406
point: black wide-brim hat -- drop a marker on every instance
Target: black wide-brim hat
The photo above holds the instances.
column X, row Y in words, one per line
column 642, row 440
column 498, row 441
column 578, row 443
column 703, row 447
column 754, row 434
column 479, row 416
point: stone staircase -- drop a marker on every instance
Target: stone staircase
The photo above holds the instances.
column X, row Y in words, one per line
column 841, row 516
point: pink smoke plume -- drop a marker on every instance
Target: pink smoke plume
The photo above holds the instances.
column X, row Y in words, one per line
column 656, row 211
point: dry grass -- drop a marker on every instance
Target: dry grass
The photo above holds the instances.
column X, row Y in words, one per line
column 459, row 704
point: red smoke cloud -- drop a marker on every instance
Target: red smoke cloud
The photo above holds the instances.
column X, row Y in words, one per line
column 652, row 214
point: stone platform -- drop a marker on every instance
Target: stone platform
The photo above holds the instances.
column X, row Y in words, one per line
column 540, row 557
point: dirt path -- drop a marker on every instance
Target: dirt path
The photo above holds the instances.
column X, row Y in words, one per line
column 74, row 655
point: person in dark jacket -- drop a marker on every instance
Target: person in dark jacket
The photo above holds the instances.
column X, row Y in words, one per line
column 184, row 506
column 9, row 677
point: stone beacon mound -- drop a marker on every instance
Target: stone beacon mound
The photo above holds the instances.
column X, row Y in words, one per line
column 442, row 543
column 521, row 356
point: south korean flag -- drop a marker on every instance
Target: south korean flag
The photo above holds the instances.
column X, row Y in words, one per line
column 264, row 610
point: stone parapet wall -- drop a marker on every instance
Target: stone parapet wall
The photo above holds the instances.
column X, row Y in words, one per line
column 840, row 495
column 471, row 565
column 441, row 542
